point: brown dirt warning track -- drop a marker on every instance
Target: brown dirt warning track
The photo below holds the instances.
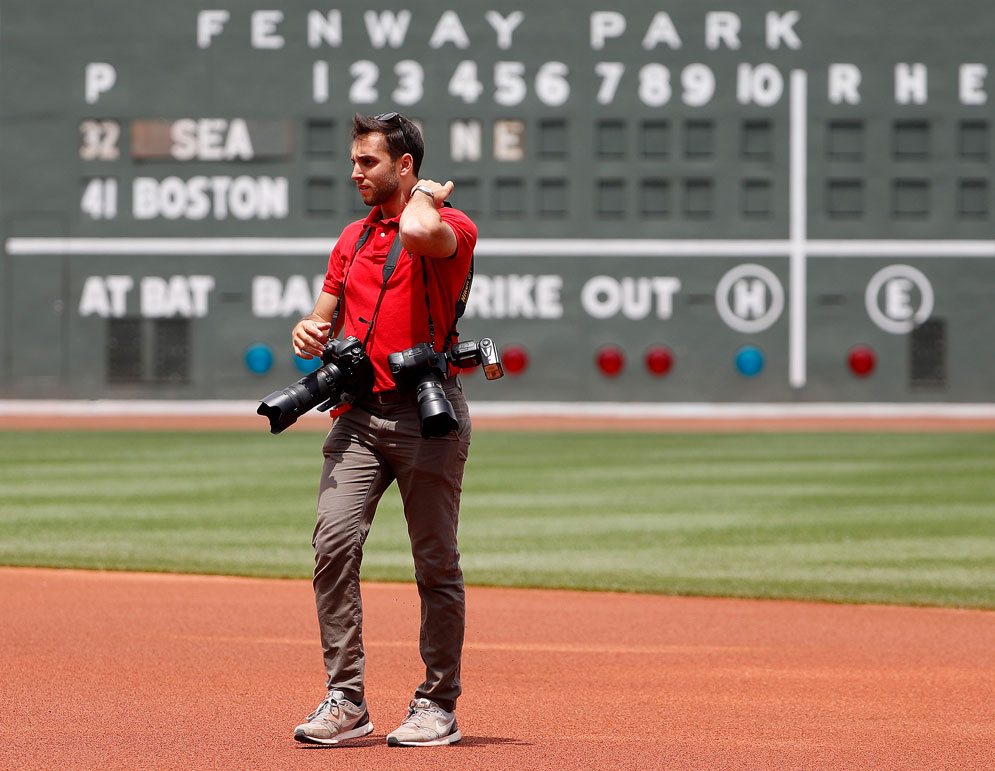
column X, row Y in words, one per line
column 142, row 671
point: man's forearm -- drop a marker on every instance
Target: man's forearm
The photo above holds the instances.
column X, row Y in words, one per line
column 422, row 230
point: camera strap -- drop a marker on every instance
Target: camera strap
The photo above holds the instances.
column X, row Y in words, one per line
column 363, row 238
column 461, row 301
column 388, row 270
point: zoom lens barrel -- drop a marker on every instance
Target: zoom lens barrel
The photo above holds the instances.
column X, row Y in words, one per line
column 282, row 408
column 435, row 412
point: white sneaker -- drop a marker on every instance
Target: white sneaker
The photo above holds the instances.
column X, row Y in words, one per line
column 427, row 725
column 336, row 720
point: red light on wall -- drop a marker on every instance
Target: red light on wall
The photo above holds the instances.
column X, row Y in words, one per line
column 610, row 360
column 861, row 360
column 659, row 360
column 515, row 359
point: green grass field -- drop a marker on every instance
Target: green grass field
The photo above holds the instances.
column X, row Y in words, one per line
column 848, row 517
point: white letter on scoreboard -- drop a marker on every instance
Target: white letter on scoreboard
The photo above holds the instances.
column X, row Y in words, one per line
column 548, row 296
column 601, row 297
column 210, row 24
column 844, row 84
column 898, row 299
column 465, row 140
column 387, row 28
column 266, row 291
column 605, row 24
column 664, row 289
column 144, row 198
column 661, row 30
column 910, row 83
column 449, row 30
column 972, row 84
column 504, row 27
column 780, row 27
column 749, row 298
column 99, row 79
column 324, row 28
column 722, row 27
column 509, row 136
column 264, row 25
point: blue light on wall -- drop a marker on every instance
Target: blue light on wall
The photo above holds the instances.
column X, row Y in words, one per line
column 259, row 359
column 749, row 360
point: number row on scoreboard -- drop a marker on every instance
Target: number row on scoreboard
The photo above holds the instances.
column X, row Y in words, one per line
column 189, row 139
column 703, row 197
column 510, row 83
column 756, row 139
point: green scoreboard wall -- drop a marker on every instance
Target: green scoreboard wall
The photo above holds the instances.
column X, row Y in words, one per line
column 676, row 202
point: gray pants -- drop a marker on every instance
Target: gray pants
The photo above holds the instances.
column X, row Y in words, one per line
column 368, row 448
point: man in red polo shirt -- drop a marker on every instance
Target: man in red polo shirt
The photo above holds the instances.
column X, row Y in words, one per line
column 379, row 440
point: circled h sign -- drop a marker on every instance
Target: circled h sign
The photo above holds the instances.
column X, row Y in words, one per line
column 770, row 314
column 905, row 273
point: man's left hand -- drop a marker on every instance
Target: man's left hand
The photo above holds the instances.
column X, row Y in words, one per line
column 442, row 191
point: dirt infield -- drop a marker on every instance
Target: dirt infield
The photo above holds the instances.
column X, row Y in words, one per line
column 137, row 671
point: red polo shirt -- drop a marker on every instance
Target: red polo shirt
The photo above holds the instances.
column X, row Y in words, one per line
column 404, row 311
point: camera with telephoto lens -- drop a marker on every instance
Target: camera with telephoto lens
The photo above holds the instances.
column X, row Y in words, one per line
column 346, row 370
column 422, row 369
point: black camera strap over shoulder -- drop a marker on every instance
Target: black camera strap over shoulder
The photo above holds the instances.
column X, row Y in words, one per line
column 461, row 301
column 388, row 270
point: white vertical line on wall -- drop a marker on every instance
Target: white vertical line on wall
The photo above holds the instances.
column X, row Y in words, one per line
column 798, row 214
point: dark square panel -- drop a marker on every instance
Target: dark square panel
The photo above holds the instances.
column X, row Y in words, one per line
column 757, row 140
column 467, row 196
column 552, row 197
column 699, row 198
column 845, row 198
column 610, row 139
column 699, row 139
column 553, row 138
column 910, row 198
column 654, row 139
column 610, row 198
column 973, row 140
column 910, row 140
column 972, row 198
column 320, row 137
column 655, row 198
column 845, row 140
column 509, row 197
column 319, row 195
column 756, row 199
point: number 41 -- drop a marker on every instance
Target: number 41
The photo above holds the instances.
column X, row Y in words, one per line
column 99, row 199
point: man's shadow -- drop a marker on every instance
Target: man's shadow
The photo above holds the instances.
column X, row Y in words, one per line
column 466, row 741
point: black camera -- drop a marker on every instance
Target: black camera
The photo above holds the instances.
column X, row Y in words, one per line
column 345, row 370
column 422, row 369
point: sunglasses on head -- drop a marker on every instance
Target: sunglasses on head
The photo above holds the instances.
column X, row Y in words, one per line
column 388, row 117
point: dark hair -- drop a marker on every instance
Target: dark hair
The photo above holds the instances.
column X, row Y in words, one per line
column 402, row 136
